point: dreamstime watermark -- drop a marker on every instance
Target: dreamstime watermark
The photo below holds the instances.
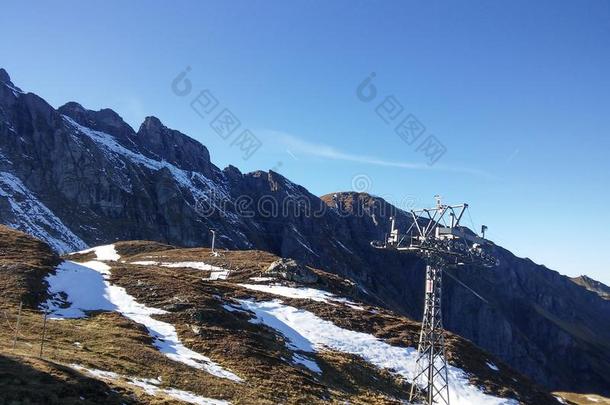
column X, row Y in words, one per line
column 409, row 203
column 361, row 183
column 407, row 127
column 273, row 206
column 224, row 122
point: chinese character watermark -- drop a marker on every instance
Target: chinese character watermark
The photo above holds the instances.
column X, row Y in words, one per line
column 407, row 127
column 223, row 121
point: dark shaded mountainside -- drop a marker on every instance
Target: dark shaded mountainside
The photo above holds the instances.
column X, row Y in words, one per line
column 76, row 178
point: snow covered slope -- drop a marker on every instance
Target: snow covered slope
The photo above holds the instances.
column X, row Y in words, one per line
column 309, row 333
column 76, row 288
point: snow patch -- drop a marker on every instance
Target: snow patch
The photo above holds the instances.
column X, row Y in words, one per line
column 218, row 275
column 151, row 386
column 310, row 364
column 99, row 374
column 302, row 293
column 492, row 366
column 261, row 279
column 309, row 333
column 105, row 252
column 191, row 265
column 191, row 398
column 146, row 263
column 76, row 288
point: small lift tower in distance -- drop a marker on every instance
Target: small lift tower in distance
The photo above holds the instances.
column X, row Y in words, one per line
column 437, row 236
column 214, row 252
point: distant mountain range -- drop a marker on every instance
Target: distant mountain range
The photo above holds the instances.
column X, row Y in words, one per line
column 76, row 178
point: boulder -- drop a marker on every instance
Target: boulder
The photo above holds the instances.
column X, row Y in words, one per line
column 289, row 269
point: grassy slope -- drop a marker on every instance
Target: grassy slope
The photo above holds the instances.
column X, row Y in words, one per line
column 111, row 342
column 23, row 263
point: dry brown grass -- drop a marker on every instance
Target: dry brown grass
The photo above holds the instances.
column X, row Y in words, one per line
column 109, row 341
column 24, row 261
column 29, row 380
column 394, row 329
column 253, row 351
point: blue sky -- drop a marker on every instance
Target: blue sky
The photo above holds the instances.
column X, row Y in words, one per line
column 517, row 92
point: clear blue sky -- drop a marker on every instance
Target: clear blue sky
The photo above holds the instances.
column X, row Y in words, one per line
column 518, row 92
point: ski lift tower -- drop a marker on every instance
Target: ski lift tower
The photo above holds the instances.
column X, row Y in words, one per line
column 437, row 236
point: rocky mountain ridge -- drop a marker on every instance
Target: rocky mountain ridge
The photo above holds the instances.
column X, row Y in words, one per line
column 75, row 178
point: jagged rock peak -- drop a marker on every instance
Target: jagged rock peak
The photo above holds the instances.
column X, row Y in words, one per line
column 173, row 146
column 4, row 77
column 352, row 198
column 107, row 115
column 72, row 109
column 6, row 80
column 72, row 106
column 105, row 120
column 232, row 172
column 151, row 123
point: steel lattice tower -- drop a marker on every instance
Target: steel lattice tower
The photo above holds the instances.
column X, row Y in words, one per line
column 431, row 360
column 436, row 236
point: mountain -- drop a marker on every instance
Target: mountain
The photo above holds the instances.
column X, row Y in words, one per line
column 593, row 285
column 142, row 322
column 76, row 178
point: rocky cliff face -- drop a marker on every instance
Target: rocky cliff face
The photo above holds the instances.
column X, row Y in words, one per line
column 76, row 177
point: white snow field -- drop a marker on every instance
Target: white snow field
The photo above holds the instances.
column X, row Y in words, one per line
column 191, row 265
column 105, row 252
column 308, row 333
column 87, row 288
column 217, row 273
column 302, row 293
column 151, row 386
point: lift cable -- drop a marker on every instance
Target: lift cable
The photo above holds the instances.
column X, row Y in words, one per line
column 466, row 286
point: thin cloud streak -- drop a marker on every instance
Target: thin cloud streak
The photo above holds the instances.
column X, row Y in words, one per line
column 299, row 145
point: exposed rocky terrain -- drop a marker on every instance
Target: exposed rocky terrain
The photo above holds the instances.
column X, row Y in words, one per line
column 76, row 178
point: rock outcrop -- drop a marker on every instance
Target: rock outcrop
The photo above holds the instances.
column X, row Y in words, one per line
column 291, row 270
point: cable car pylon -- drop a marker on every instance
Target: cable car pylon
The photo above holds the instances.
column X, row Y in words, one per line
column 437, row 237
